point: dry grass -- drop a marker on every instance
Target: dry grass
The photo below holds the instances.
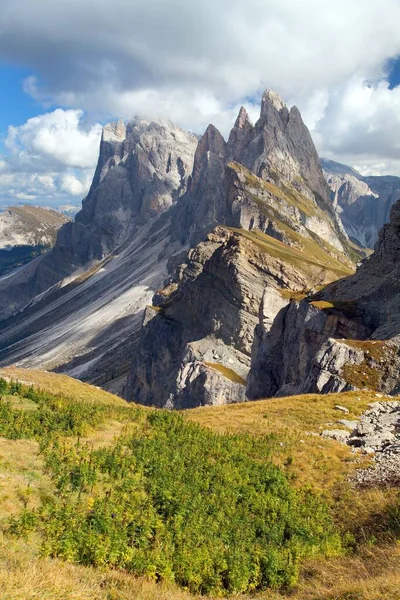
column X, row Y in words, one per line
column 291, row 295
column 226, row 372
column 348, row 308
column 58, row 384
column 372, row 574
column 294, row 424
column 377, row 349
column 24, row 575
column 21, row 477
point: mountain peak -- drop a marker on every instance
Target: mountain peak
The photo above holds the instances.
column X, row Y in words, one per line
column 243, row 119
column 114, row 132
column 211, row 141
column 271, row 98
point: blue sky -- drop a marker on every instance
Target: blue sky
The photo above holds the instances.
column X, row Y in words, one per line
column 66, row 69
column 394, row 72
column 15, row 106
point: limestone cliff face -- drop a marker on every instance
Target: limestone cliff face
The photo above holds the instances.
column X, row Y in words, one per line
column 363, row 203
column 279, row 150
column 345, row 337
column 267, row 186
column 199, row 333
column 280, row 142
column 142, row 171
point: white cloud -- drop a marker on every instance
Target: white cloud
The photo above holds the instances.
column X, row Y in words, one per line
column 196, row 62
column 47, row 181
column 185, row 57
column 56, row 137
column 359, row 124
column 50, row 157
column 70, row 184
column 24, row 197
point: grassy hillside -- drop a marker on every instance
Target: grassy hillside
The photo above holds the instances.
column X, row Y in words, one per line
column 206, row 492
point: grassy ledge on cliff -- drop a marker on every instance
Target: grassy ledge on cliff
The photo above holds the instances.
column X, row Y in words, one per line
column 105, row 500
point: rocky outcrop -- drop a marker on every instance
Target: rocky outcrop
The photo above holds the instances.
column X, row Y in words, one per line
column 300, row 352
column 207, row 314
column 345, row 337
column 378, row 434
column 362, row 203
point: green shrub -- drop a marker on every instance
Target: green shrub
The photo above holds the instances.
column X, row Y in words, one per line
column 169, row 501
column 55, row 416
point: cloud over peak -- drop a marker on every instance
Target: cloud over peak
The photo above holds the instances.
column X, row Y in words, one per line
column 196, row 63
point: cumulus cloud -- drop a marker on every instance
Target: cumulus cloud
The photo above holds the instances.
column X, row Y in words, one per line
column 229, row 46
column 193, row 53
column 50, row 157
column 196, row 62
column 56, row 137
column 71, row 184
column 359, row 124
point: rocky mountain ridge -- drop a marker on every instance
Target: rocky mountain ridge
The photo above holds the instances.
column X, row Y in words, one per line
column 28, row 225
column 185, row 267
column 279, row 151
column 363, row 203
column 282, row 234
column 27, row 231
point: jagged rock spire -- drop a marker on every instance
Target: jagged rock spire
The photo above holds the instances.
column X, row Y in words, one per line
column 271, row 98
column 243, row 119
column 240, row 135
column 210, row 155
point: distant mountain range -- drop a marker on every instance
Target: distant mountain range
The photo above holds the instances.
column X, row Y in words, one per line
column 26, row 232
column 363, row 203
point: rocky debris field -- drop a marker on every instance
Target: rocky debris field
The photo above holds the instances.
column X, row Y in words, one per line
column 376, row 433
